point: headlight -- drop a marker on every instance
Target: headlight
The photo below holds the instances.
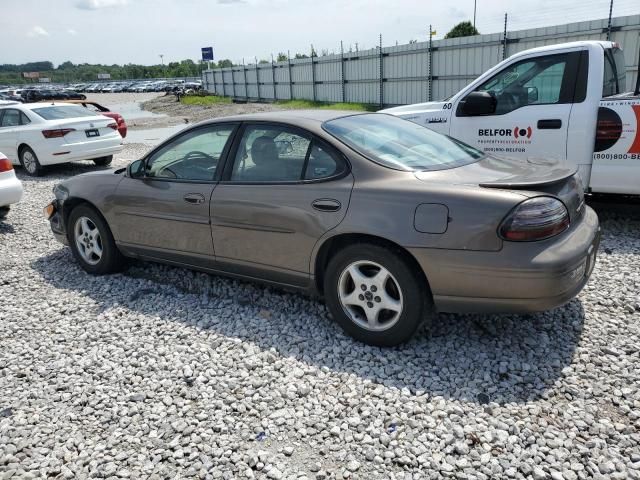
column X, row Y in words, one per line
column 535, row 219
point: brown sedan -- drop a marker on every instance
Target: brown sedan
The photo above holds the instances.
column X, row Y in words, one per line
column 388, row 221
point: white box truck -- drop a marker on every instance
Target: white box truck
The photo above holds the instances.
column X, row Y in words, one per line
column 562, row 103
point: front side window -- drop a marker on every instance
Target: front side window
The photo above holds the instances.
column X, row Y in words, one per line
column 270, row 153
column 536, row 81
column 399, row 144
column 193, row 156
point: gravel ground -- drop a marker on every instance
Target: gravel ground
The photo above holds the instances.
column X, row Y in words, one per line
column 163, row 373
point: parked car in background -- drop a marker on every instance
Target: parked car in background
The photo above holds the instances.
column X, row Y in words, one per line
column 38, row 95
column 99, row 109
column 10, row 186
column 39, row 134
column 387, row 220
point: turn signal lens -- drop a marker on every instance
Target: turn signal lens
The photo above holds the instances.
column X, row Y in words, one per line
column 5, row 164
column 113, row 125
column 535, row 219
column 49, row 210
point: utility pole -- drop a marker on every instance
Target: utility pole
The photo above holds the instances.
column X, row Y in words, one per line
column 162, row 62
column 474, row 13
column 504, row 41
column 609, row 23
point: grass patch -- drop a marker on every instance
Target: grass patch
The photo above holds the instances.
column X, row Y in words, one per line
column 359, row 107
column 204, row 100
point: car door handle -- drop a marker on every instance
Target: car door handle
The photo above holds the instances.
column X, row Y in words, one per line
column 326, row 205
column 195, row 198
column 550, row 124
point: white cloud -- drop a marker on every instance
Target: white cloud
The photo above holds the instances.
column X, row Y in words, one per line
column 71, row 31
column 98, row 4
column 37, row 31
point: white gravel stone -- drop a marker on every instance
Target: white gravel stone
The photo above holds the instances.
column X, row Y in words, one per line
column 161, row 372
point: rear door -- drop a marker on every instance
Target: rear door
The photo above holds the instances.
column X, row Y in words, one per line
column 282, row 189
column 164, row 212
column 534, row 101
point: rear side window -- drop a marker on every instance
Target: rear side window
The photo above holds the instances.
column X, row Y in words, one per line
column 615, row 75
column 60, row 112
column 10, row 118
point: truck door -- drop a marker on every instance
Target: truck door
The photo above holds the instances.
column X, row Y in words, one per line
column 533, row 103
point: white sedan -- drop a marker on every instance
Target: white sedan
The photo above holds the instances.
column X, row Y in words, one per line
column 10, row 186
column 39, row 134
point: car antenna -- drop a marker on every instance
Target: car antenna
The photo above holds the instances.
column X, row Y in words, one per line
column 636, row 92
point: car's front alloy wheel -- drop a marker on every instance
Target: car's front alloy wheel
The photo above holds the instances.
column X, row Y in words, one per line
column 91, row 241
column 376, row 294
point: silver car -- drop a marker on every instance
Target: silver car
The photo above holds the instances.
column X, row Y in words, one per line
column 388, row 221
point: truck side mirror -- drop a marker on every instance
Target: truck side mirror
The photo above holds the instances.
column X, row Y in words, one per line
column 532, row 94
column 478, row 103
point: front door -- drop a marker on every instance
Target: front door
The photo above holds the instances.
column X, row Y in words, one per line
column 281, row 192
column 534, row 98
column 164, row 212
column 11, row 121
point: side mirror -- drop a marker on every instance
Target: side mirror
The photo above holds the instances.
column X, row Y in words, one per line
column 136, row 169
column 478, row 103
column 532, row 94
column 284, row 147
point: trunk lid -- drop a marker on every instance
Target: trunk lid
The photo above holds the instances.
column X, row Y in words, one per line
column 82, row 125
column 515, row 174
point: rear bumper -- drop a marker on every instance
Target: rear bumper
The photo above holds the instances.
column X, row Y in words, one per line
column 10, row 189
column 520, row 278
column 75, row 153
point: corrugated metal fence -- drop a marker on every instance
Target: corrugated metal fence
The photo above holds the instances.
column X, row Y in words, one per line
column 411, row 73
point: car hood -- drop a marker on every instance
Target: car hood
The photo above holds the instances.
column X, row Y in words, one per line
column 408, row 112
column 492, row 172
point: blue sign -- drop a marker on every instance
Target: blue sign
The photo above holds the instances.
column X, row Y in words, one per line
column 207, row 54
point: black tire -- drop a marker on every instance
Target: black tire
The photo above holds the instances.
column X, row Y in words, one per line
column 111, row 260
column 31, row 164
column 412, row 289
column 103, row 161
column 4, row 211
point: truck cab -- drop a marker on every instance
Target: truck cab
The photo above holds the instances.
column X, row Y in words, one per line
column 554, row 104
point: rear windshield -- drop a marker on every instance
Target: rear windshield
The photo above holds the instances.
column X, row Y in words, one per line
column 401, row 144
column 59, row 112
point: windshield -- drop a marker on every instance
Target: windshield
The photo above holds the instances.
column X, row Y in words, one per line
column 401, row 144
column 59, row 112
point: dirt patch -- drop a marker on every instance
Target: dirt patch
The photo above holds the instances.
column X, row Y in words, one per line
column 180, row 113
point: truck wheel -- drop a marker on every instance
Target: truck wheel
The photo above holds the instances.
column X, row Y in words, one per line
column 375, row 295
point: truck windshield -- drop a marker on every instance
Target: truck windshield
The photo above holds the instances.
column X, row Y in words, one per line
column 615, row 75
column 400, row 144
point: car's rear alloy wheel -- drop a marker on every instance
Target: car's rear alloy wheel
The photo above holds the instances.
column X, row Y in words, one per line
column 91, row 241
column 376, row 295
column 103, row 161
column 29, row 161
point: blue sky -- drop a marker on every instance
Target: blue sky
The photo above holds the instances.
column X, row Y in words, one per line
column 138, row 31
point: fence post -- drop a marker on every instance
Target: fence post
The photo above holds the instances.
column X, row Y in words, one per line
column 257, row 78
column 273, row 78
column 504, row 40
column 342, row 70
column 430, row 80
column 313, row 73
column 380, row 60
column 290, row 79
column 215, row 83
column 233, row 84
column 244, row 74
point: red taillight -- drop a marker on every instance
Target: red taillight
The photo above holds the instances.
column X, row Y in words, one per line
column 113, row 125
column 5, row 164
column 58, row 133
column 535, row 219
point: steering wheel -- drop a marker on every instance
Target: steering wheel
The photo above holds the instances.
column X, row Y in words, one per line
column 198, row 154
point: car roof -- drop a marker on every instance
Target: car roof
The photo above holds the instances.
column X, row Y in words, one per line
column 288, row 116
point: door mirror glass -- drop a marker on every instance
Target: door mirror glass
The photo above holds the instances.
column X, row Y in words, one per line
column 136, row 169
column 532, row 94
column 479, row 103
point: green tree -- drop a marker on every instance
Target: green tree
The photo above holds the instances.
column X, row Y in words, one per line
column 301, row 55
column 282, row 57
column 463, row 29
column 263, row 61
column 226, row 63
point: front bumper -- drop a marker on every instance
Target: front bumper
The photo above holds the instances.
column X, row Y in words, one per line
column 520, row 278
column 56, row 222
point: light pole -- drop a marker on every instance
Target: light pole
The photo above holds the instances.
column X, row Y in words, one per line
column 474, row 14
column 162, row 62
